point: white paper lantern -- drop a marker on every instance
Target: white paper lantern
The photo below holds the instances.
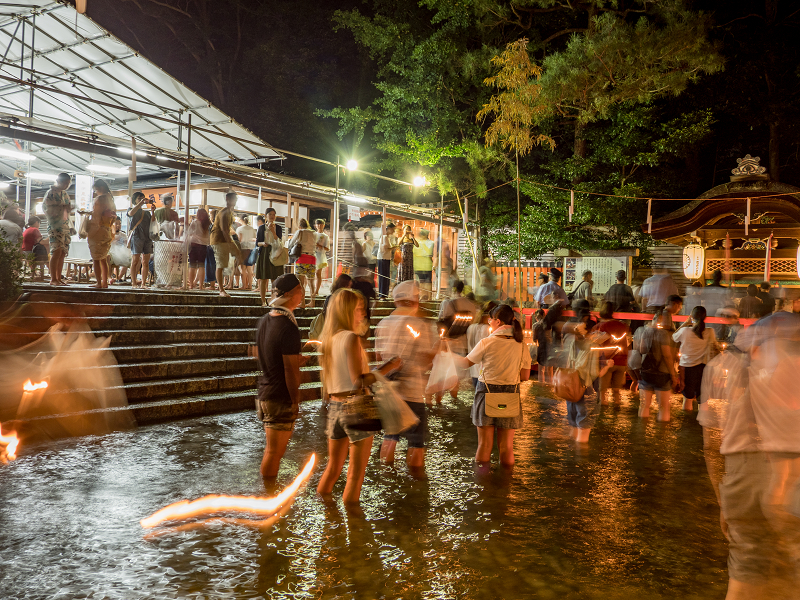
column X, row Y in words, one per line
column 693, row 261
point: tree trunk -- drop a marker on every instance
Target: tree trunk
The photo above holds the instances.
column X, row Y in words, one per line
column 579, row 149
column 774, row 155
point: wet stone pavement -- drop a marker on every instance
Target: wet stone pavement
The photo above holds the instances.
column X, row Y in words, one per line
column 633, row 515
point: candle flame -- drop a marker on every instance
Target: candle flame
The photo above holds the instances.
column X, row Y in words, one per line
column 32, row 387
column 313, row 342
column 11, row 442
column 606, row 348
column 214, row 503
column 616, row 339
column 414, row 333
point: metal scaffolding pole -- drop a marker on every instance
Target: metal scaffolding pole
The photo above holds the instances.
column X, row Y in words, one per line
column 441, row 247
column 335, row 224
column 186, row 212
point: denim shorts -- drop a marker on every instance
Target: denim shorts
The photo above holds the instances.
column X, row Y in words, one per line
column 417, row 436
column 582, row 414
column 280, row 426
column 335, row 429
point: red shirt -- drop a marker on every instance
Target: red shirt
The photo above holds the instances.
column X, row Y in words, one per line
column 621, row 337
column 30, row 237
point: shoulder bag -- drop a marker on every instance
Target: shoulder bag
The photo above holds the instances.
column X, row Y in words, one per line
column 567, row 383
column 503, row 404
column 278, row 255
column 133, row 229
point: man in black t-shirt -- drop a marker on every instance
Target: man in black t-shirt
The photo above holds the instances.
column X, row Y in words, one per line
column 278, row 340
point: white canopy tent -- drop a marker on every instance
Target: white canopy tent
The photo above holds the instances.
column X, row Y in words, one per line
column 63, row 69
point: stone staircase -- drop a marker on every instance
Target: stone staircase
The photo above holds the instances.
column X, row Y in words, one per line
column 179, row 354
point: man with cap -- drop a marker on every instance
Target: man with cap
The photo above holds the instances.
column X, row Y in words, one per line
column 552, row 287
column 406, row 335
column 278, row 343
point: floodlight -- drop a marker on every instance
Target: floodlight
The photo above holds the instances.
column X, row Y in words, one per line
column 108, row 169
column 42, row 176
column 15, row 154
column 352, row 164
column 128, row 151
column 420, row 181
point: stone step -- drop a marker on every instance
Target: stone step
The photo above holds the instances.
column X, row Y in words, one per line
column 160, row 310
column 152, row 353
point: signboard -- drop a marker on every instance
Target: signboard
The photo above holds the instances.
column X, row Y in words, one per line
column 353, row 213
column 603, row 268
column 83, row 192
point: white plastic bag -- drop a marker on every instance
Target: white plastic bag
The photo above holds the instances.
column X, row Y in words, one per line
column 444, row 374
column 396, row 415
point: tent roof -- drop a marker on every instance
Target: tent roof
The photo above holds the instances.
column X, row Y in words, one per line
column 89, row 80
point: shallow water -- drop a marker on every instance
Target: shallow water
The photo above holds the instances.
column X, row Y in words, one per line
column 631, row 516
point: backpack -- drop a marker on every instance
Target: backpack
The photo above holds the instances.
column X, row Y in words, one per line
column 642, row 345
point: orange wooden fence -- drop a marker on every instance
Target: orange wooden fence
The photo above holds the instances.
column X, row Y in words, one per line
column 507, row 281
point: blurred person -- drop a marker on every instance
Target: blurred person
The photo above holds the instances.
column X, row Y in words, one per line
column 165, row 214
column 370, row 252
column 656, row 290
column 698, row 345
column 386, row 250
column 475, row 333
column 269, row 233
column 446, row 278
column 540, row 338
column 461, row 307
column 199, row 240
column 487, row 282
column 247, row 241
column 34, row 245
column 306, row 265
column 504, row 363
column 393, row 339
column 423, row 264
column 139, row 239
column 620, row 338
column 767, row 301
column 278, row 341
column 211, row 265
column 694, row 297
column 673, row 307
column 730, row 329
column 621, row 295
column 715, row 295
column 101, row 224
column 222, row 241
column 407, row 244
column 657, row 375
column 750, row 306
column 551, row 292
column 9, row 228
column 346, row 371
column 321, row 253
column 584, row 289
column 58, row 207
column 542, row 278
column 119, row 256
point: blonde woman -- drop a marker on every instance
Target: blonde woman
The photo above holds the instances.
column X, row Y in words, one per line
column 346, row 371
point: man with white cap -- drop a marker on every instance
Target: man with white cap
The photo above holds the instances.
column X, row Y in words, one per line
column 405, row 335
column 278, row 341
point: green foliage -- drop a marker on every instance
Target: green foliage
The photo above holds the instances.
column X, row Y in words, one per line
column 10, row 270
column 618, row 62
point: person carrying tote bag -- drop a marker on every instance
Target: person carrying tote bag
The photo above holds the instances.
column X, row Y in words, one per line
column 504, row 364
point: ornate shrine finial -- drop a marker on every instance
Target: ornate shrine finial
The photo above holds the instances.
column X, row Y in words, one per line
column 748, row 165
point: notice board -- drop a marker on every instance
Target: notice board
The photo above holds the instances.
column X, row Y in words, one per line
column 603, row 268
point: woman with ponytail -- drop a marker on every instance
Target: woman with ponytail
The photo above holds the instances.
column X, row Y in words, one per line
column 698, row 344
column 503, row 361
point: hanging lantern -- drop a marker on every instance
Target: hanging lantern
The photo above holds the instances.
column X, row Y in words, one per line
column 693, row 261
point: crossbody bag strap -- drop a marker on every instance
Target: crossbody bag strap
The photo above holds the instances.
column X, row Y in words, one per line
column 133, row 229
column 519, row 381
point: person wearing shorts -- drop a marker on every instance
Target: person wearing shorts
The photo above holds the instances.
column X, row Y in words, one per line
column 306, row 266
column 58, row 207
column 697, row 343
column 395, row 340
column 222, row 242
column 658, row 375
column 141, row 245
column 278, row 341
column 322, row 248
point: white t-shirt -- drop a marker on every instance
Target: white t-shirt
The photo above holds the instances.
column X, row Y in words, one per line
column 337, row 379
column 322, row 257
column 500, row 357
column 393, row 338
column 693, row 349
column 385, row 251
column 247, row 237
